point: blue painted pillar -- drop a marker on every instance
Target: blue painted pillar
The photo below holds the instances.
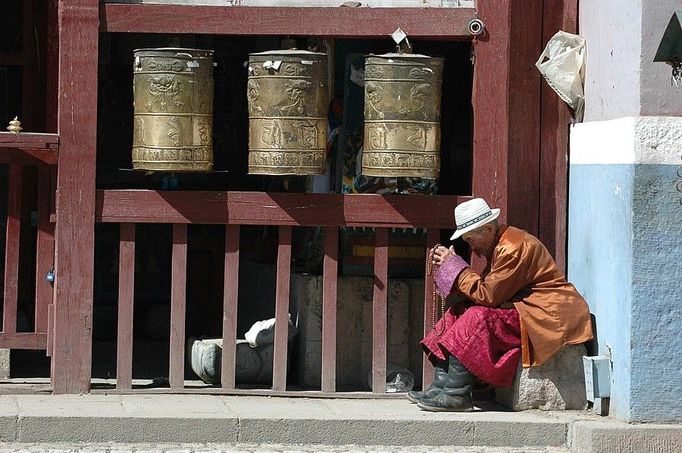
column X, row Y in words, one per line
column 625, row 255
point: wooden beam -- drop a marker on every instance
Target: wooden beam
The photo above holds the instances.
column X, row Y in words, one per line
column 523, row 172
column 75, row 200
column 29, row 148
column 555, row 120
column 506, row 158
column 261, row 208
column 435, row 23
column 21, row 340
column 329, row 305
column 28, row 156
column 44, row 248
column 12, row 246
column 279, row 366
column 491, row 113
column 178, row 307
column 230, row 306
column 379, row 311
column 29, row 140
column 263, row 392
column 50, row 335
column 126, row 298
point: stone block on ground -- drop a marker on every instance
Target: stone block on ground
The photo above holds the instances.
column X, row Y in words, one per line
column 557, row 384
column 4, row 363
column 253, row 365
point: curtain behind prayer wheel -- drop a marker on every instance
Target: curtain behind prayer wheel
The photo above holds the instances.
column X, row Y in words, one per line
column 173, row 103
column 402, row 115
column 288, row 99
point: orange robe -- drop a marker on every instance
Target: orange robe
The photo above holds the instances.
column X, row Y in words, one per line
column 522, row 272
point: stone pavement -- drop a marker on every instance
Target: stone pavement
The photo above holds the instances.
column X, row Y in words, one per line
column 258, row 448
column 100, row 422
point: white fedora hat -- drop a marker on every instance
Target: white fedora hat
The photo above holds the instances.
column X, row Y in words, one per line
column 473, row 214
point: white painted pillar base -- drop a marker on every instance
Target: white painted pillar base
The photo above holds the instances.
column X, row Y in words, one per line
column 624, row 251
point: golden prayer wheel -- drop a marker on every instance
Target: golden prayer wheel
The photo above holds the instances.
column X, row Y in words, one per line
column 288, row 100
column 402, row 115
column 173, row 102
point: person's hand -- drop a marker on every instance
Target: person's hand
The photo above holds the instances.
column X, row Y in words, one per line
column 441, row 254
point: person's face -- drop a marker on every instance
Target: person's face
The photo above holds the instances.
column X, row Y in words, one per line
column 481, row 240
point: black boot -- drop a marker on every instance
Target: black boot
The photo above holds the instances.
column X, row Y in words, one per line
column 456, row 394
column 440, row 375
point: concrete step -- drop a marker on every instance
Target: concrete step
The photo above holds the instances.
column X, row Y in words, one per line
column 257, row 448
column 256, row 420
column 230, row 419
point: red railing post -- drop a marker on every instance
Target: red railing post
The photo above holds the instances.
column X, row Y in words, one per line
column 279, row 366
column 230, row 299
column 126, row 297
column 12, row 243
column 44, row 248
column 178, row 304
column 329, row 298
column 75, row 199
column 379, row 316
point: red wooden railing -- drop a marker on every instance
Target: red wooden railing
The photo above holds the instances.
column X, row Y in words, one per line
column 19, row 152
column 233, row 209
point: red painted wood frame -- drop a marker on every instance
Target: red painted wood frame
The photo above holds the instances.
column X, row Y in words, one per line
column 20, row 151
column 29, row 148
column 555, row 120
column 506, row 101
column 520, row 125
column 37, row 153
column 436, row 23
column 78, row 38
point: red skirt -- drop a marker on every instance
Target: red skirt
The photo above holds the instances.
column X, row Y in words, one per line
column 486, row 340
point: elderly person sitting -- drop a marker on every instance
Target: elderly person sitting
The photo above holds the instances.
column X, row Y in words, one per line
column 523, row 307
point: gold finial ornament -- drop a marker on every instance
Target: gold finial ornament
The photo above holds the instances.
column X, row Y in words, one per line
column 15, row 126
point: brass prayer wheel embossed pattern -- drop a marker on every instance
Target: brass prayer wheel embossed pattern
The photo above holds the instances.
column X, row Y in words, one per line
column 287, row 98
column 402, row 115
column 173, row 103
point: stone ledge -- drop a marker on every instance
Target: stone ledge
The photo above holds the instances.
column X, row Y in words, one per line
column 612, row 436
column 557, row 384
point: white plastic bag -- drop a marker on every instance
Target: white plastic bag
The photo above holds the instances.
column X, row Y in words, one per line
column 263, row 332
column 561, row 64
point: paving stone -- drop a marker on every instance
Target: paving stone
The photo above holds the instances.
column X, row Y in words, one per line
column 261, row 448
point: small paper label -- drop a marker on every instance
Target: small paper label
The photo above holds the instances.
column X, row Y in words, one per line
column 398, row 35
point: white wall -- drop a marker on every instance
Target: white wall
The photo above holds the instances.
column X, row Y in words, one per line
column 612, row 69
column 621, row 78
column 658, row 95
